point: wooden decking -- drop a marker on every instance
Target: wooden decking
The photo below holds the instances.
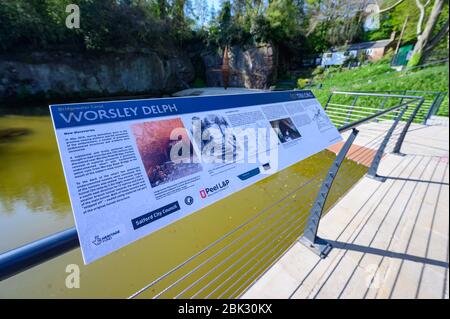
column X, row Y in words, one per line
column 391, row 240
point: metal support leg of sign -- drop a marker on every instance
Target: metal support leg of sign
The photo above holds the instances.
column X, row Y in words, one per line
column 379, row 155
column 310, row 238
column 400, row 140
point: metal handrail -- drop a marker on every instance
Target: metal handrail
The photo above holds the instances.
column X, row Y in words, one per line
column 310, row 239
column 30, row 255
column 435, row 102
column 376, row 115
column 371, row 94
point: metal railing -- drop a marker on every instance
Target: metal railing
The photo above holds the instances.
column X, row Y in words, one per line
column 433, row 101
column 310, row 238
column 229, row 264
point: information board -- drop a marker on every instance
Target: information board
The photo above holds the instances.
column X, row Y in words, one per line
column 133, row 167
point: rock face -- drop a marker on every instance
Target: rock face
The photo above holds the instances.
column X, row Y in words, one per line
column 67, row 75
column 254, row 66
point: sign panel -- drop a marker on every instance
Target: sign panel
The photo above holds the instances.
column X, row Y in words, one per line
column 133, row 167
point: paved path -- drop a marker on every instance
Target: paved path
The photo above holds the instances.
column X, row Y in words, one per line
column 438, row 120
column 214, row 91
column 391, row 240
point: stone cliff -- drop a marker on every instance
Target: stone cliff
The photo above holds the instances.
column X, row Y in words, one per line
column 254, row 67
column 69, row 75
column 62, row 75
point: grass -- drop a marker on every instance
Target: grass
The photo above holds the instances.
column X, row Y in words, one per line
column 379, row 76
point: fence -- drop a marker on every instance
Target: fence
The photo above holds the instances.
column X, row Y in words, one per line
column 227, row 266
column 358, row 106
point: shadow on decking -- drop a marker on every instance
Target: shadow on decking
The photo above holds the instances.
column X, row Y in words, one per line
column 415, row 180
column 387, row 253
column 415, row 161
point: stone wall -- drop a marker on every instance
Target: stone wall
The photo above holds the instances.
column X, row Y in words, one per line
column 253, row 67
column 71, row 75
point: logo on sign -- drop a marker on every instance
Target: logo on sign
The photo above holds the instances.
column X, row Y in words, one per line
column 189, row 200
column 208, row 191
column 98, row 240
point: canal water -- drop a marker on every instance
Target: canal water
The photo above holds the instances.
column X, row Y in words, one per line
column 34, row 203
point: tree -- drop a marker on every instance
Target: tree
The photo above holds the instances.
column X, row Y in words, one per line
column 163, row 8
column 425, row 39
column 335, row 22
column 282, row 18
column 226, row 30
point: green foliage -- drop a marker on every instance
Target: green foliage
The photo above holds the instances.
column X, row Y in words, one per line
column 199, row 83
column 318, row 71
column 399, row 14
column 105, row 24
column 281, row 15
column 379, row 76
column 415, row 60
column 333, row 23
column 226, row 30
column 297, row 27
column 352, row 61
column 385, row 31
column 302, row 83
column 260, row 29
column 255, row 21
column 393, row 21
column 34, row 22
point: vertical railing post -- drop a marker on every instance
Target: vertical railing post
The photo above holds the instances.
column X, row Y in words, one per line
column 383, row 104
column 310, row 238
column 378, row 156
column 328, row 101
column 439, row 103
column 400, row 140
column 350, row 109
column 431, row 109
column 402, row 99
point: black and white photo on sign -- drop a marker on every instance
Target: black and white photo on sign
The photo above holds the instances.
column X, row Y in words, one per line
column 216, row 139
column 285, row 130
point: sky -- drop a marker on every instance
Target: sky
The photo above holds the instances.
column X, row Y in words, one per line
column 216, row 4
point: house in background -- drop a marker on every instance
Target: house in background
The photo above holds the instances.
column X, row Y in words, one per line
column 311, row 60
column 373, row 51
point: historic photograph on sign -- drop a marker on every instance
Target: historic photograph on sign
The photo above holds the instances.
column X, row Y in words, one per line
column 218, row 142
column 285, row 130
column 158, row 147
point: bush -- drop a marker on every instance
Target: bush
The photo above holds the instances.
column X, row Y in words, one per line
column 318, row 71
column 415, row 60
column 333, row 69
column 199, row 83
column 351, row 61
column 302, row 83
column 105, row 24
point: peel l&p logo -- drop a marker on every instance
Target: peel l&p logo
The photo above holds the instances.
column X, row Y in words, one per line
column 208, row 191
